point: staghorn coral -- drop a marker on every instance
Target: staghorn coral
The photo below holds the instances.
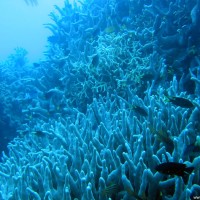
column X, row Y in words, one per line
column 79, row 134
column 79, row 156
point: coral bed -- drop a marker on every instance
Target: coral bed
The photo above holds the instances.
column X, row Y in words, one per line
column 79, row 127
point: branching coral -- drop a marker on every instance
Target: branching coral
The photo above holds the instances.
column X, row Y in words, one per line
column 78, row 157
column 93, row 115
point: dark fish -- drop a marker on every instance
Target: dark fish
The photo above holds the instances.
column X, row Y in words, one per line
column 95, row 60
column 182, row 102
column 110, row 190
column 40, row 133
column 115, row 188
column 173, row 168
column 2, row 123
column 135, row 108
column 140, row 110
column 36, row 64
column 192, row 150
column 162, row 136
column 134, row 194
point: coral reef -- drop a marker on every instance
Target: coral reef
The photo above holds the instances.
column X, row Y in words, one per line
column 80, row 155
column 93, row 119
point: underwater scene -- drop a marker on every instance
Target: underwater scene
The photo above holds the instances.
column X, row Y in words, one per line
column 112, row 112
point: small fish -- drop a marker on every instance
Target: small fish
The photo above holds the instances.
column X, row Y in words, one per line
column 110, row 190
column 2, row 123
column 192, row 150
column 95, row 60
column 115, row 188
column 135, row 108
column 39, row 133
column 134, row 194
column 139, row 110
column 36, row 64
column 162, row 136
column 110, row 29
column 173, row 168
column 22, row 133
column 182, row 102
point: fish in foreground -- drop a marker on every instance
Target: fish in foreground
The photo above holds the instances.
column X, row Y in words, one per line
column 179, row 101
column 173, row 168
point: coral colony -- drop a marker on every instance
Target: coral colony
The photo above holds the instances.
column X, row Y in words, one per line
column 113, row 111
